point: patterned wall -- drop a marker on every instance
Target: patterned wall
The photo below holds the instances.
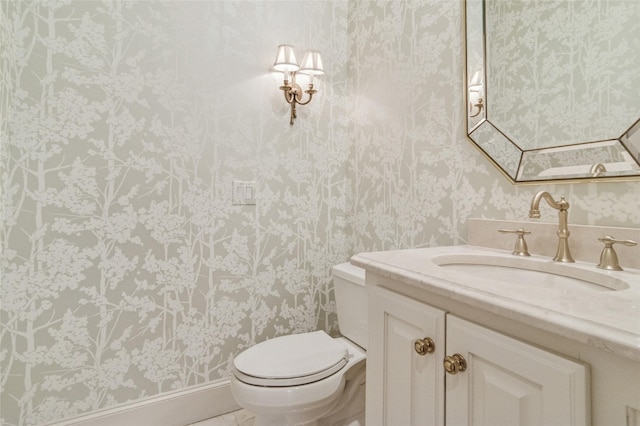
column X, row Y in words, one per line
column 589, row 46
column 416, row 178
column 126, row 270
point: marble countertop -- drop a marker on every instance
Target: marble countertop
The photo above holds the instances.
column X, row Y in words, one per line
column 605, row 318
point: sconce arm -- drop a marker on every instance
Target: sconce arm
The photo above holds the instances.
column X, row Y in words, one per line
column 289, row 94
column 478, row 106
column 309, row 92
column 293, row 95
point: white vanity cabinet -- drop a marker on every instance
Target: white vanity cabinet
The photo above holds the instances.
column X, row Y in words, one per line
column 508, row 382
column 403, row 387
column 503, row 381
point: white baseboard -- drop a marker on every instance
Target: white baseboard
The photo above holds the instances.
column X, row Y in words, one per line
column 177, row 408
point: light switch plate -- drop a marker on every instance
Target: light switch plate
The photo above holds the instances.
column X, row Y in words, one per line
column 244, row 193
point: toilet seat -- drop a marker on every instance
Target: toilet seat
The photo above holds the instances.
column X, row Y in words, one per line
column 291, row 360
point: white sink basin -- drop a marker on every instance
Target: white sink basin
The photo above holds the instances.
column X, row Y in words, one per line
column 530, row 272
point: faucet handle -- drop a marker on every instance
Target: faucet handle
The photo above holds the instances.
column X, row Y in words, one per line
column 609, row 257
column 520, row 248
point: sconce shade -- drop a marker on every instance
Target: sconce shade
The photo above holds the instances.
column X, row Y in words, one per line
column 476, row 85
column 476, row 80
column 312, row 63
column 286, row 59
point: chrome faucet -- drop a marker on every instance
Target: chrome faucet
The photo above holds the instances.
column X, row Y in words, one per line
column 563, row 254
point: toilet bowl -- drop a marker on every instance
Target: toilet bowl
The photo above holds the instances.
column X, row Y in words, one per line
column 310, row 378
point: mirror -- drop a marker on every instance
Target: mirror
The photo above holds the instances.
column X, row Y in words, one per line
column 553, row 88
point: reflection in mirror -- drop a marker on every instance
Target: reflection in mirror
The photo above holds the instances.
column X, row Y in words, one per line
column 498, row 147
column 553, row 88
column 631, row 141
column 475, row 63
column 476, row 94
column 596, row 159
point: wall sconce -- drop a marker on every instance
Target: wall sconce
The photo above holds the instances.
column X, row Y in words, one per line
column 476, row 94
column 286, row 62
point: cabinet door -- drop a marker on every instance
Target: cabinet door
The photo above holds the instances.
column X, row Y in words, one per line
column 508, row 382
column 404, row 388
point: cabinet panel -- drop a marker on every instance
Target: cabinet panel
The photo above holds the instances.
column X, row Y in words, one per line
column 508, row 382
column 403, row 387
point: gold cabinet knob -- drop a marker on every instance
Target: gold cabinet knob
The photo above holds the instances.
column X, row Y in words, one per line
column 455, row 364
column 424, row 346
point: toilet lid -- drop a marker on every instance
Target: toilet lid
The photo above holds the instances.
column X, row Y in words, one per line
column 291, row 360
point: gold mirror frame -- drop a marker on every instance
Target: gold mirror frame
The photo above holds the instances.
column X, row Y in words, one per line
column 614, row 159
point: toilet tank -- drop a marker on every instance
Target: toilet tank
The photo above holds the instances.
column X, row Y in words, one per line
column 351, row 302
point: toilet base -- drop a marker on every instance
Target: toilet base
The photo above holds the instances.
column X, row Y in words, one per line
column 337, row 400
column 266, row 420
column 350, row 415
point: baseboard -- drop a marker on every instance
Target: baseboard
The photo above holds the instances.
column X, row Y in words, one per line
column 177, row 408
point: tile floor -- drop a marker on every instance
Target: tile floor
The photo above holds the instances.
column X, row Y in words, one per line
column 235, row 418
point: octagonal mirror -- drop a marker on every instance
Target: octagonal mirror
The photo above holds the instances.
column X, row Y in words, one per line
column 553, row 87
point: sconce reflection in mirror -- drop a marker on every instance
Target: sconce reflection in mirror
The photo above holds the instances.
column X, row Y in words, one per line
column 597, row 169
column 476, row 94
column 286, row 63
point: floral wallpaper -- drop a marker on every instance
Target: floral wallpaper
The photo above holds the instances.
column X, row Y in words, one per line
column 126, row 269
column 536, row 50
column 416, row 178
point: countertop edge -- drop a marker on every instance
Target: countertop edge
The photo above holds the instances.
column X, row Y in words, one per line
column 594, row 334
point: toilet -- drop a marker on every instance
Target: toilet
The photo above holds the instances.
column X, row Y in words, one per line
column 310, row 378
